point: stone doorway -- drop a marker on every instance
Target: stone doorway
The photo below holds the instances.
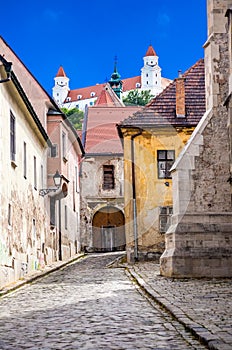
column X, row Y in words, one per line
column 108, row 230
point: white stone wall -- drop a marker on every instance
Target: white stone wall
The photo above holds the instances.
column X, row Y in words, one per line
column 23, row 213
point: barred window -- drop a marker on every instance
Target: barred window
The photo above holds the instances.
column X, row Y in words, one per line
column 108, row 177
column 165, row 161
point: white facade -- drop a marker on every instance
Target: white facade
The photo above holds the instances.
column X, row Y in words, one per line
column 61, row 89
column 151, row 75
column 24, row 222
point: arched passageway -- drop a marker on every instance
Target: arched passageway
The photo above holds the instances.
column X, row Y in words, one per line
column 108, row 230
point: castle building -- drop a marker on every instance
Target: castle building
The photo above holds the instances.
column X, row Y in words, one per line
column 150, row 79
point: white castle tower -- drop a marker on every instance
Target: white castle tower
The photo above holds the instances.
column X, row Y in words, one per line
column 61, row 88
column 151, row 73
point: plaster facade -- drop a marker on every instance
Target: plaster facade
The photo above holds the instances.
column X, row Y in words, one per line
column 144, row 232
column 24, row 223
column 107, row 204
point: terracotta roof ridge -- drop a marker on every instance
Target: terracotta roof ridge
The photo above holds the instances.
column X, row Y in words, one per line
column 150, row 51
column 61, row 72
column 201, row 60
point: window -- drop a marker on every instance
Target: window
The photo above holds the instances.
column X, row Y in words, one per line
column 108, row 177
column 76, row 179
column 165, row 218
column 12, row 137
column 25, row 160
column 42, row 176
column 63, row 144
column 9, row 215
column 54, row 151
column 165, row 161
column 52, row 211
column 137, row 85
column 35, row 174
column 65, row 217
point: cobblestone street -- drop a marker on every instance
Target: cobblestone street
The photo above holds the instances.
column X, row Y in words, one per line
column 87, row 306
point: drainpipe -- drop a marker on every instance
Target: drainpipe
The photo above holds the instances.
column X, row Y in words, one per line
column 135, row 226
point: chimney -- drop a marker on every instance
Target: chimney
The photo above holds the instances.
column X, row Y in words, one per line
column 180, row 96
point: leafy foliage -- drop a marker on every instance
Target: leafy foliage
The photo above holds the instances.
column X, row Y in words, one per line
column 75, row 116
column 136, row 97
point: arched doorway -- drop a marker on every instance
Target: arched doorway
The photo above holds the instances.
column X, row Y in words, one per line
column 108, row 230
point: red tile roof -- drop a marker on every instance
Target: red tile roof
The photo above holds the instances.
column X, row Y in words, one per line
column 150, row 51
column 128, row 84
column 162, row 109
column 108, row 98
column 61, row 72
column 102, row 136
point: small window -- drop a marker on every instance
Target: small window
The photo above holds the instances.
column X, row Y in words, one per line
column 54, row 151
column 63, row 144
column 165, row 218
column 137, row 85
column 12, row 137
column 52, row 211
column 146, row 75
column 25, row 160
column 68, row 99
column 79, row 97
column 165, row 161
column 91, row 103
column 65, row 217
column 35, row 174
column 92, row 94
column 9, row 214
column 108, row 177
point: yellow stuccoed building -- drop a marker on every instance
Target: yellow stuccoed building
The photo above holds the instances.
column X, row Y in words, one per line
column 152, row 139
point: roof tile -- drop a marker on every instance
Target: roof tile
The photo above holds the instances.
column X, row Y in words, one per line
column 162, row 109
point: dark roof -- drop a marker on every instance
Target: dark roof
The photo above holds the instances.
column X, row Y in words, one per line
column 162, row 109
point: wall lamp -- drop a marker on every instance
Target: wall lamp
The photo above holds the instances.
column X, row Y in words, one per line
column 8, row 69
column 57, row 181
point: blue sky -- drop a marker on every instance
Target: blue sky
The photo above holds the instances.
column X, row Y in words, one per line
column 85, row 36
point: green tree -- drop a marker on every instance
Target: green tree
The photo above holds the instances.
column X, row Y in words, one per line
column 75, row 116
column 136, row 97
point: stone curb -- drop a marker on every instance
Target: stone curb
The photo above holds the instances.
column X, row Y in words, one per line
column 37, row 274
column 200, row 332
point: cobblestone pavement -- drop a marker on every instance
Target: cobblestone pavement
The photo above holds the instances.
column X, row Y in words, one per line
column 88, row 306
column 202, row 305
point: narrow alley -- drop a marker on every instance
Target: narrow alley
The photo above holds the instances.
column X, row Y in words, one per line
column 88, row 306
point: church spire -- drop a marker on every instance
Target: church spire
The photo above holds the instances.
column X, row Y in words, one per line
column 115, row 80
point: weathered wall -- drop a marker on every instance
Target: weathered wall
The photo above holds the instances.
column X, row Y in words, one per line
column 94, row 197
column 23, row 219
column 199, row 241
column 150, row 195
